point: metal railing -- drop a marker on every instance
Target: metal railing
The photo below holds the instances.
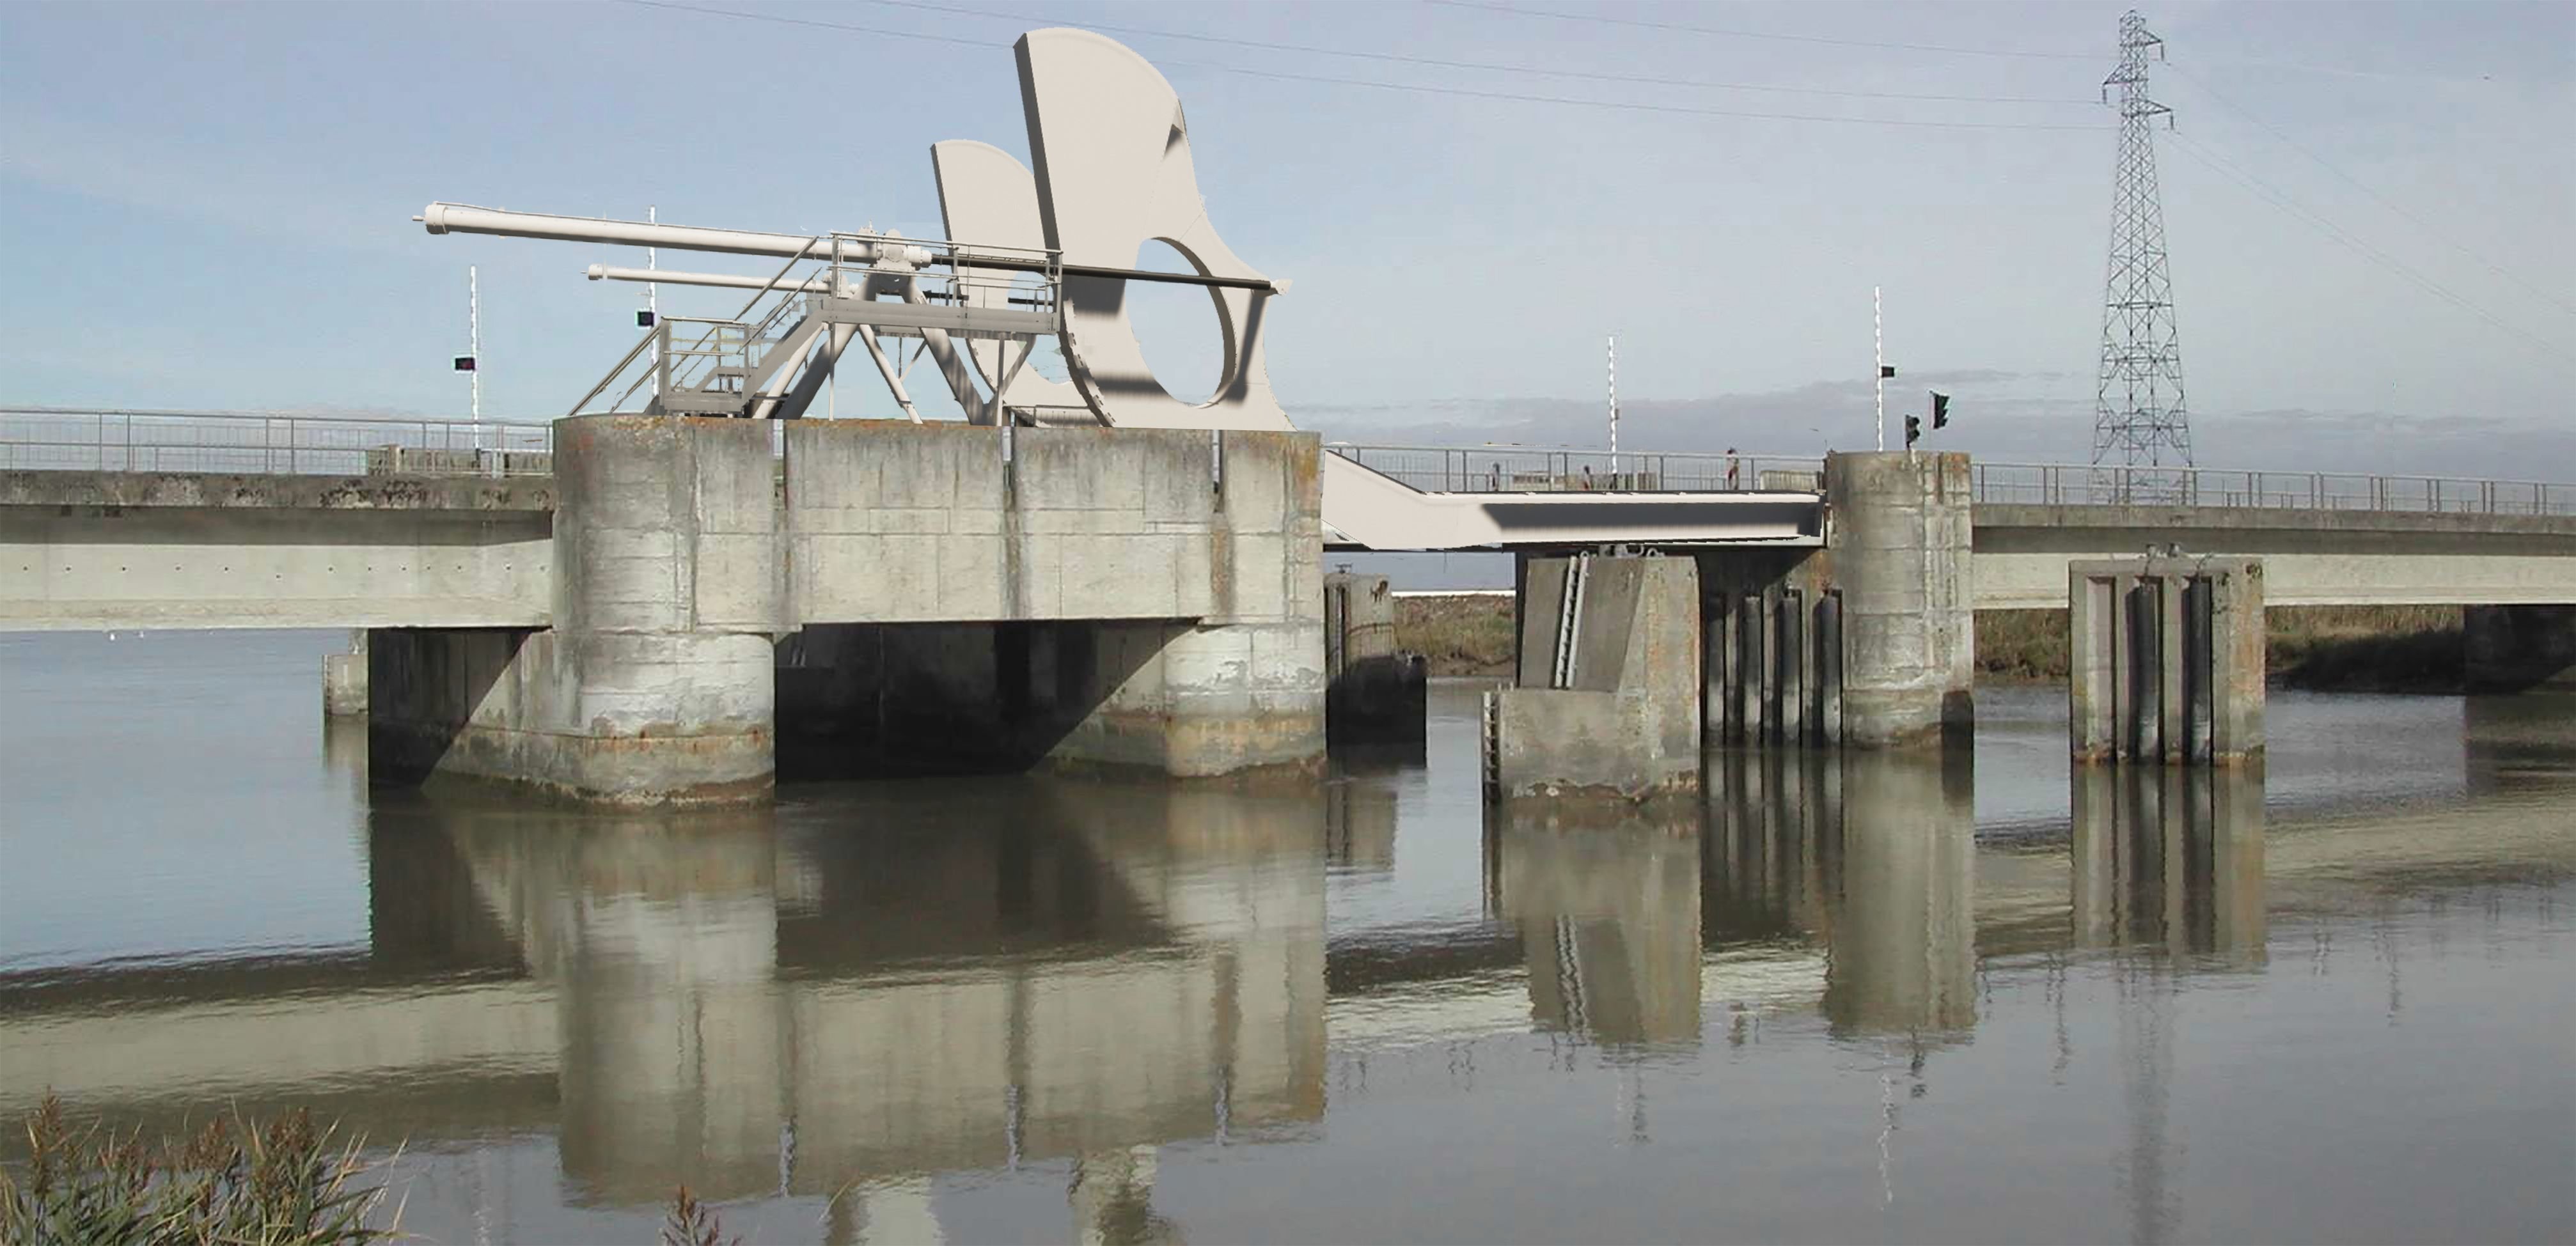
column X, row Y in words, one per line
column 1531, row 469
column 2052, row 484
column 699, row 365
column 1536, row 469
column 117, row 440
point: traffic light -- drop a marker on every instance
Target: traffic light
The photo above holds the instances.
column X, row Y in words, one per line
column 644, row 320
column 1913, row 430
column 1940, row 409
column 464, row 363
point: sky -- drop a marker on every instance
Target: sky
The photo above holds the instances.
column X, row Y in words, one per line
column 208, row 206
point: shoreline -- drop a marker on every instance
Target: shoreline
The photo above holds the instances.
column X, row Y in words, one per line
column 2390, row 649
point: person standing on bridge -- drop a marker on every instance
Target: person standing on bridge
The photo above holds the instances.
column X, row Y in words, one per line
column 1734, row 467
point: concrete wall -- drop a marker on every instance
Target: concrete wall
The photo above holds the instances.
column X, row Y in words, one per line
column 1620, row 717
column 655, row 685
column 1195, row 557
column 88, row 551
column 1899, row 530
column 894, row 522
column 1137, row 599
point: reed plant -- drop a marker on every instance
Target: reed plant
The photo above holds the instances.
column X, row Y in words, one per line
column 231, row 1183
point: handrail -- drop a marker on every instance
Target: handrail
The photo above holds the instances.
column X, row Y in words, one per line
column 137, row 439
column 42, row 438
column 611, row 378
column 1530, row 468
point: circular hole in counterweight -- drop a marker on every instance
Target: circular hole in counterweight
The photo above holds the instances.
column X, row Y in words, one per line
column 1177, row 326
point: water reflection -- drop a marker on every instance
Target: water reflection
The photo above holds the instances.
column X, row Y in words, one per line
column 1015, row 1009
column 1871, row 856
column 1608, row 918
column 2169, row 858
column 788, row 1003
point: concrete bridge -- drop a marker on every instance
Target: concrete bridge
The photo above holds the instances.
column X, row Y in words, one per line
column 196, row 519
column 598, row 606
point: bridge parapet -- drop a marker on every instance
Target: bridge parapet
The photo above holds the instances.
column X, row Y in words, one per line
column 112, row 439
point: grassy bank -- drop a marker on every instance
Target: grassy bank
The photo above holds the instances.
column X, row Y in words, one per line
column 2324, row 648
column 233, row 1182
column 283, row 1182
column 2340, row 648
column 1457, row 635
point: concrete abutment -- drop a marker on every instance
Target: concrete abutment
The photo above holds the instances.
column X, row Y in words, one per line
column 912, row 596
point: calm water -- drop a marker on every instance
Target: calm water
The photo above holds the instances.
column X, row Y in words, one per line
column 1864, row 1002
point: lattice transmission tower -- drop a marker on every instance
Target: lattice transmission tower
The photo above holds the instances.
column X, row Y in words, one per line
column 2140, row 431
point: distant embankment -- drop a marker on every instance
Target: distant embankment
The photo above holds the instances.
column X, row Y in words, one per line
column 2336, row 648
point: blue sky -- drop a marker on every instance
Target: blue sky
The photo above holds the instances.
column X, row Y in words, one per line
column 208, row 205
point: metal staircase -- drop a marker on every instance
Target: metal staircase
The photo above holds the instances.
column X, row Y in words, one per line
column 771, row 359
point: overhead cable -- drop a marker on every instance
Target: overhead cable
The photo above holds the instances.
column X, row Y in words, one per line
column 1415, row 88
column 1606, row 20
column 1488, row 66
column 2247, row 180
column 2365, row 188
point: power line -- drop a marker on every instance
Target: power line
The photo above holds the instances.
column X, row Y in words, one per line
column 1415, row 88
column 1518, row 11
column 1487, row 66
column 784, row 20
column 2383, row 200
column 2309, row 216
column 1942, row 49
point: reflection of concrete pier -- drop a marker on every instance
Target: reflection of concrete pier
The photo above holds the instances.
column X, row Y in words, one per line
column 2171, row 859
column 1059, row 973
column 1904, row 941
column 1870, row 854
column 1609, row 919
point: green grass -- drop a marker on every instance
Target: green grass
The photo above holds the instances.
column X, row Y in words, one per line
column 1457, row 635
column 2322, row 648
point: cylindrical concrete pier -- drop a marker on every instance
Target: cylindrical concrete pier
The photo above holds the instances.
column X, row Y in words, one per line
column 1900, row 539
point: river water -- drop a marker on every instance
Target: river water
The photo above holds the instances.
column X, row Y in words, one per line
column 1876, row 1000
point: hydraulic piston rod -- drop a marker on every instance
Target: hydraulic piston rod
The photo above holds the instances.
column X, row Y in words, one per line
column 733, row 281
column 457, row 218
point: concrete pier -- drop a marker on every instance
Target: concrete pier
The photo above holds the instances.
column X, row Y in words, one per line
column 973, row 597
column 1609, row 697
column 2520, row 648
column 1899, row 531
column 1373, row 691
column 654, row 686
column 2165, row 661
column 1771, row 649
column 344, row 679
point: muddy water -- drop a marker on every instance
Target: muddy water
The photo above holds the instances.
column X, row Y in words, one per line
column 1867, row 1001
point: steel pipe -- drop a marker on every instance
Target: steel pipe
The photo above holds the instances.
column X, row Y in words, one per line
column 458, row 218
column 734, row 281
